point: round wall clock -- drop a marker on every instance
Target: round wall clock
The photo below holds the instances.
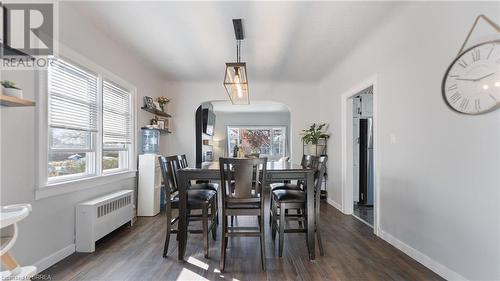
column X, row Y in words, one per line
column 471, row 85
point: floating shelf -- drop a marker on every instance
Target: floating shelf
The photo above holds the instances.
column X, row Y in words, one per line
column 162, row 131
column 15, row 102
column 156, row 112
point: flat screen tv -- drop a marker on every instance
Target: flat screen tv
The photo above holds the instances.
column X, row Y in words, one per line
column 208, row 122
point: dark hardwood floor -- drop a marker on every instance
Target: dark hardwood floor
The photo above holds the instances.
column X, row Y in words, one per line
column 364, row 212
column 352, row 252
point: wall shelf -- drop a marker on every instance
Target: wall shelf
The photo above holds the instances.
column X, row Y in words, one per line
column 162, row 131
column 15, row 102
column 156, row 112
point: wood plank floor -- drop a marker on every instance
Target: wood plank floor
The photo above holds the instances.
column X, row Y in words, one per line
column 352, row 252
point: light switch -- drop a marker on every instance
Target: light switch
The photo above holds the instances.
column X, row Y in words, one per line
column 393, row 138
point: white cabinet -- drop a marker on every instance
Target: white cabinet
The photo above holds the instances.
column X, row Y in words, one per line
column 149, row 185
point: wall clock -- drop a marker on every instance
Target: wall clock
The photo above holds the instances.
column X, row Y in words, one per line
column 471, row 84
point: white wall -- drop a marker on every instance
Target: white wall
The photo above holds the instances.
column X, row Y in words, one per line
column 225, row 119
column 301, row 98
column 440, row 182
column 50, row 228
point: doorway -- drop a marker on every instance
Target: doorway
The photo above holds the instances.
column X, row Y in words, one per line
column 359, row 153
column 362, row 164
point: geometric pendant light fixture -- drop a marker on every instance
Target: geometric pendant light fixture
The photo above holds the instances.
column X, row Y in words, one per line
column 235, row 78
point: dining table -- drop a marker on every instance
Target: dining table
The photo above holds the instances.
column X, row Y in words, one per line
column 276, row 171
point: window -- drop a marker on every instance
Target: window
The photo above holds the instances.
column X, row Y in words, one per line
column 89, row 123
column 116, row 107
column 270, row 141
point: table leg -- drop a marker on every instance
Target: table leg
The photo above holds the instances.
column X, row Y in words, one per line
column 182, row 232
column 310, row 215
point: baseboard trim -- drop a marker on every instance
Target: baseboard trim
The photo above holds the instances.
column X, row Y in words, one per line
column 54, row 258
column 334, row 204
column 420, row 257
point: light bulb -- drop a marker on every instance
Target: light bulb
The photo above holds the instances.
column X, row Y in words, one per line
column 497, row 84
column 485, row 87
column 239, row 91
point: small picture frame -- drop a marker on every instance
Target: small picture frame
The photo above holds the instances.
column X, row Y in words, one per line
column 161, row 124
column 157, row 105
column 149, row 102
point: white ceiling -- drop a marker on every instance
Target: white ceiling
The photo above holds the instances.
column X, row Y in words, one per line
column 285, row 41
column 255, row 106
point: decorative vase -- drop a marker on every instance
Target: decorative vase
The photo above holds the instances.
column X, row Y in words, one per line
column 162, row 107
column 18, row 93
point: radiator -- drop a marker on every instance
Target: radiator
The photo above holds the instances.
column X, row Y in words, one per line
column 97, row 217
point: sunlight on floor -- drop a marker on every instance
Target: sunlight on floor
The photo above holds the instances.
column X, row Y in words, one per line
column 187, row 274
column 197, row 263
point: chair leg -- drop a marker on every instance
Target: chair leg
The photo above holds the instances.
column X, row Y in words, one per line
column 262, row 242
column 205, row 229
column 223, row 243
column 282, row 229
column 299, row 211
column 226, row 238
column 213, row 220
column 274, row 222
column 169, row 230
column 216, row 210
column 318, row 232
column 271, row 209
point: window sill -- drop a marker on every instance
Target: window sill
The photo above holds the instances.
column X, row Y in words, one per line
column 81, row 184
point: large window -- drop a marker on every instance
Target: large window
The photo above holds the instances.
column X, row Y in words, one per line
column 269, row 141
column 89, row 123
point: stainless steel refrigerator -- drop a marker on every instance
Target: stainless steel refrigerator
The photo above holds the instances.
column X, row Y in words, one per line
column 366, row 161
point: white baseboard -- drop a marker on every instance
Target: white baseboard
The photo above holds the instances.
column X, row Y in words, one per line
column 54, row 258
column 428, row 262
column 334, row 204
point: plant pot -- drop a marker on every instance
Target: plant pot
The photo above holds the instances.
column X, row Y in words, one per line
column 18, row 93
column 315, row 149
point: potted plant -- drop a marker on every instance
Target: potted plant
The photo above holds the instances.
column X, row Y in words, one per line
column 312, row 137
column 9, row 89
column 162, row 101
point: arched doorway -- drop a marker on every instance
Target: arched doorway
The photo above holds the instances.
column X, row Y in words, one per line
column 259, row 129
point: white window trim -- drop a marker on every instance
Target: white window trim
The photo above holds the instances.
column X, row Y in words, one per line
column 43, row 188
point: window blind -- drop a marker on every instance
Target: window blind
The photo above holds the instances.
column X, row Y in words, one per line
column 72, row 97
column 117, row 123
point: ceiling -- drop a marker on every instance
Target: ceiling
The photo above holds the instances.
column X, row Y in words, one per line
column 255, row 106
column 285, row 41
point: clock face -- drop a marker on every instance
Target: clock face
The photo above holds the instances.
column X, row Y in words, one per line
column 471, row 84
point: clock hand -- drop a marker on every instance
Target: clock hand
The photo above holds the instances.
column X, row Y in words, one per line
column 484, row 76
column 464, row 79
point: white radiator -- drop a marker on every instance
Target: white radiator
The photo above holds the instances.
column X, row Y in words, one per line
column 98, row 217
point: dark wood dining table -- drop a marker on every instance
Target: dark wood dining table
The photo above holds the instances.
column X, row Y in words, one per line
column 276, row 171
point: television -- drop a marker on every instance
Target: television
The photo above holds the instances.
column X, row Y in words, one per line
column 208, row 118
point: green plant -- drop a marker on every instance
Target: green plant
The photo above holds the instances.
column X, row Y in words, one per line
column 9, row 84
column 314, row 134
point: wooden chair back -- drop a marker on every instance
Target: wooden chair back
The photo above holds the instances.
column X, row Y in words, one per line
column 169, row 166
column 248, row 177
column 320, row 167
column 183, row 161
column 306, row 161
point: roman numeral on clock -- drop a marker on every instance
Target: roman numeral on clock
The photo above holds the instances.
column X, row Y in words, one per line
column 452, row 87
column 477, row 104
column 464, row 104
column 476, row 55
column 455, row 97
column 462, row 63
column 491, row 51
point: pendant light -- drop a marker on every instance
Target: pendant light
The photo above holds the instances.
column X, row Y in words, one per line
column 235, row 78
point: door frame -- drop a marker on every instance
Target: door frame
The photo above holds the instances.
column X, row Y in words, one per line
column 347, row 150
